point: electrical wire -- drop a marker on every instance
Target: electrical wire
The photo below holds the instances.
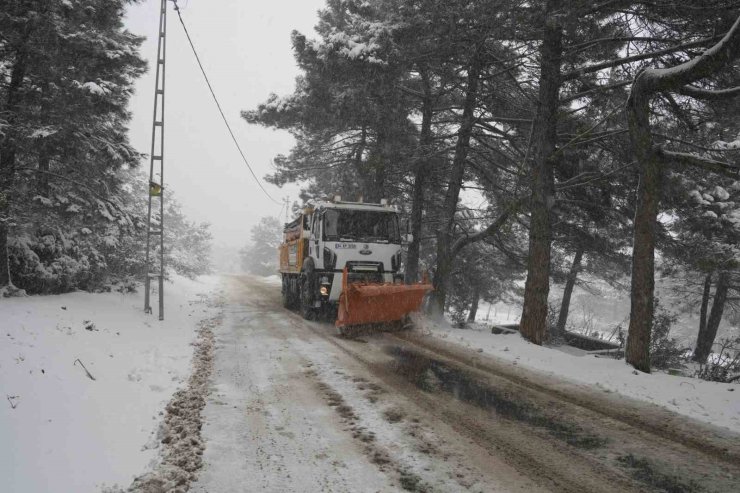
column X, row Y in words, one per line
column 218, row 105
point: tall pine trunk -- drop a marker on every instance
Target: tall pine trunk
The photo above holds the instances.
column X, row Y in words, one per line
column 8, row 158
column 7, row 171
column 703, row 312
column 706, row 340
column 637, row 352
column 360, row 166
column 559, row 332
column 533, row 324
column 374, row 183
column 474, row 305
column 420, row 171
column 445, row 234
column 42, row 182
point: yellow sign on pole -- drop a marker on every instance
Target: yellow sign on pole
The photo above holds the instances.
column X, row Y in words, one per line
column 155, row 189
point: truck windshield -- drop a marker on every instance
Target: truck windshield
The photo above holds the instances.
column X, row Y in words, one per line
column 354, row 225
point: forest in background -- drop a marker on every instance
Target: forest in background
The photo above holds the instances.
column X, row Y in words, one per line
column 527, row 143
column 73, row 198
column 600, row 140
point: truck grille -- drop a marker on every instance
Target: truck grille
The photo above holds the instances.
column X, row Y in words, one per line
column 364, row 272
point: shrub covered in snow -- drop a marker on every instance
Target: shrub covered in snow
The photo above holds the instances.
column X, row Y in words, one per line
column 665, row 351
column 70, row 240
column 724, row 365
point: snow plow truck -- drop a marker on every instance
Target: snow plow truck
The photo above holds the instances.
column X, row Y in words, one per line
column 344, row 258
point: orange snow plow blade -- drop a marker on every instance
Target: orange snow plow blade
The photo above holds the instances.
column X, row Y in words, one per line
column 372, row 303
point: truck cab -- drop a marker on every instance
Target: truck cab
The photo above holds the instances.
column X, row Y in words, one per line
column 330, row 236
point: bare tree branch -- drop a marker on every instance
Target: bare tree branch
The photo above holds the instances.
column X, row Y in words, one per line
column 489, row 230
column 608, row 87
column 634, row 58
column 689, row 159
column 691, row 144
column 699, row 93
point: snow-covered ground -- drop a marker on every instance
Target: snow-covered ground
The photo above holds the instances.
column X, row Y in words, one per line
column 60, row 429
column 607, row 308
column 710, row 402
column 274, row 279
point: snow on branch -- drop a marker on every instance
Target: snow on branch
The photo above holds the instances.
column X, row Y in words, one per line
column 666, row 79
column 695, row 160
column 699, row 93
column 635, row 58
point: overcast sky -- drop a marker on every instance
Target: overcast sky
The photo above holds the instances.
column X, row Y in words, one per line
column 245, row 48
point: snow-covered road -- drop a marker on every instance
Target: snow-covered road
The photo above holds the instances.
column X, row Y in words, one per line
column 293, row 407
column 290, row 411
column 276, row 403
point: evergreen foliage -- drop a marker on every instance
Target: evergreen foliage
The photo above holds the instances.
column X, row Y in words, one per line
column 523, row 106
column 260, row 256
column 71, row 195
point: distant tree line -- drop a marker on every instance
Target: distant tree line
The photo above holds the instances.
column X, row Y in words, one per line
column 260, row 255
column 591, row 135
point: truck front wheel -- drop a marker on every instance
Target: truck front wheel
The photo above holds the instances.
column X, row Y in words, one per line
column 289, row 294
column 308, row 293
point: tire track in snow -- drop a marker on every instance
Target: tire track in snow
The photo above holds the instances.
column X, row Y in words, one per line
column 180, row 432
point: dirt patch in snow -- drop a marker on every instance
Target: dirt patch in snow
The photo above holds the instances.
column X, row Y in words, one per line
column 377, row 454
column 644, row 471
column 394, row 414
column 433, row 375
column 179, row 434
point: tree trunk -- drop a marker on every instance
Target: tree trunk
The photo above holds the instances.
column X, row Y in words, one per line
column 703, row 312
column 533, row 325
column 375, row 171
column 445, row 234
column 7, row 178
column 361, row 168
column 42, row 182
column 417, row 197
column 637, row 352
column 8, row 159
column 706, row 340
column 417, row 209
column 559, row 332
column 474, row 305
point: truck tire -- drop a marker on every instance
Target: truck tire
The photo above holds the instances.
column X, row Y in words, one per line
column 288, row 293
column 307, row 292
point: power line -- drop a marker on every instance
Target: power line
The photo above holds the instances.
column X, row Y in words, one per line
column 218, row 105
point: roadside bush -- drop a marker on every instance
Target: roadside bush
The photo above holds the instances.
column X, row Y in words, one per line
column 68, row 241
column 723, row 366
column 665, row 352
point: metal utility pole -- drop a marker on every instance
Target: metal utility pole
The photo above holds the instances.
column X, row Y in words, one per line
column 155, row 221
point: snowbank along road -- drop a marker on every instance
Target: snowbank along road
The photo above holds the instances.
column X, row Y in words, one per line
column 294, row 407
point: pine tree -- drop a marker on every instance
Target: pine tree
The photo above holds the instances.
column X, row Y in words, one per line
column 260, row 257
column 652, row 161
column 70, row 67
